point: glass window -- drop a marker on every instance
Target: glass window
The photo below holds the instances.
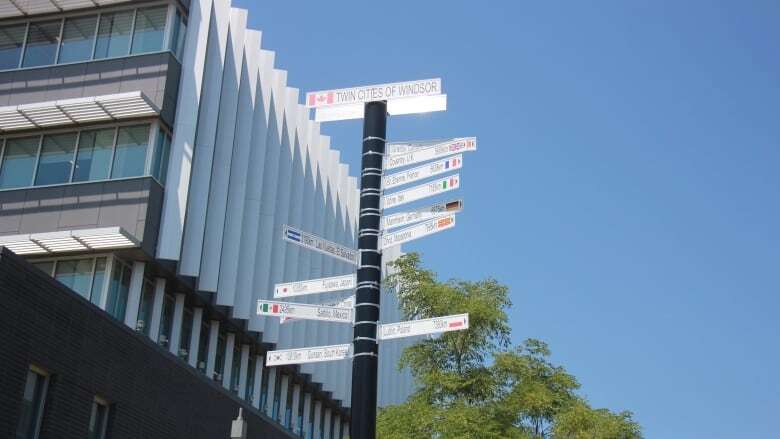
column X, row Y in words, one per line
column 145, row 310
column 98, row 420
column 11, row 42
column 264, row 389
column 186, row 334
column 76, row 274
column 250, row 379
column 32, row 405
column 178, row 34
column 219, row 359
column 19, row 162
column 235, row 371
column 166, row 323
column 160, row 159
column 113, row 38
column 77, row 39
column 45, row 266
column 117, row 291
column 94, row 155
column 98, row 280
column 149, row 29
column 56, row 159
column 130, row 156
column 42, row 41
column 203, row 345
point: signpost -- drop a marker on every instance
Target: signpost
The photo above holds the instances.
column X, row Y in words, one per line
column 373, row 104
column 418, row 231
column 315, row 286
column 304, row 311
column 396, row 148
column 308, row 355
column 413, row 328
column 401, row 219
column 435, row 187
column 314, row 242
column 422, row 172
column 439, row 150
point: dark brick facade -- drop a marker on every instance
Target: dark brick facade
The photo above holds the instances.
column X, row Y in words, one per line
column 87, row 353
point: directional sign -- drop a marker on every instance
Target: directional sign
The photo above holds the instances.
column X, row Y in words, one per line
column 418, row 231
column 439, row 150
column 369, row 93
column 428, row 212
column 395, row 148
column 314, row 242
column 422, row 172
column 349, row 302
column 426, row 190
column 304, row 311
column 413, row 328
column 315, row 286
column 308, row 355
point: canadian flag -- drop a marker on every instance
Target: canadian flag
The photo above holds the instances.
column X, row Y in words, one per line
column 316, row 99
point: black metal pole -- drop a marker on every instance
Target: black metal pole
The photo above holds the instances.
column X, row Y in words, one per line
column 369, row 275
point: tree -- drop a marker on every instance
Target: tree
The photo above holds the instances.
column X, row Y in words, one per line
column 473, row 384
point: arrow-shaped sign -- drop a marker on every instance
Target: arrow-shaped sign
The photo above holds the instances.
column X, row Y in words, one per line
column 401, row 219
column 413, row 328
column 349, row 302
column 435, row 187
column 395, row 148
column 418, row 231
column 315, row 286
column 304, row 311
column 314, row 242
column 439, row 150
column 422, row 172
column 308, row 355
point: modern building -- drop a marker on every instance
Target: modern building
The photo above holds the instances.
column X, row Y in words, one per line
column 151, row 153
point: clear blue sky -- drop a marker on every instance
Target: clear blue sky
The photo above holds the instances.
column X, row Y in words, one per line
column 626, row 186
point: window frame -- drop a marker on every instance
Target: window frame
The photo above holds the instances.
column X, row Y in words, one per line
column 172, row 6
column 103, row 289
column 41, row 406
column 154, row 124
column 104, row 427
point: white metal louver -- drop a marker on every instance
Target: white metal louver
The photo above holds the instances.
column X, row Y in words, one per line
column 76, row 111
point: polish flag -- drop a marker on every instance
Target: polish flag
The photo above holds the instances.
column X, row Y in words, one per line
column 317, row 99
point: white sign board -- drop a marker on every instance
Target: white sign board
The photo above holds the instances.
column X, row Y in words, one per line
column 308, row 355
column 413, row 328
column 304, row 311
column 439, row 150
column 315, row 286
column 435, row 187
column 422, row 172
column 437, row 210
column 349, row 302
column 369, row 93
column 418, row 231
column 314, row 242
column 395, row 148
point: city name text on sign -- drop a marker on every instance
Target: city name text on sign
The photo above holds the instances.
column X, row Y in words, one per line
column 418, row 231
column 413, row 328
column 422, row 172
column 304, row 311
column 401, row 219
column 315, row 286
column 349, row 302
column 314, row 242
column 308, row 355
column 369, row 93
column 438, row 186
column 431, row 152
column 395, row 148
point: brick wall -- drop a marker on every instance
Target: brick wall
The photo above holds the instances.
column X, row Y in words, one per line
column 87, row 353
